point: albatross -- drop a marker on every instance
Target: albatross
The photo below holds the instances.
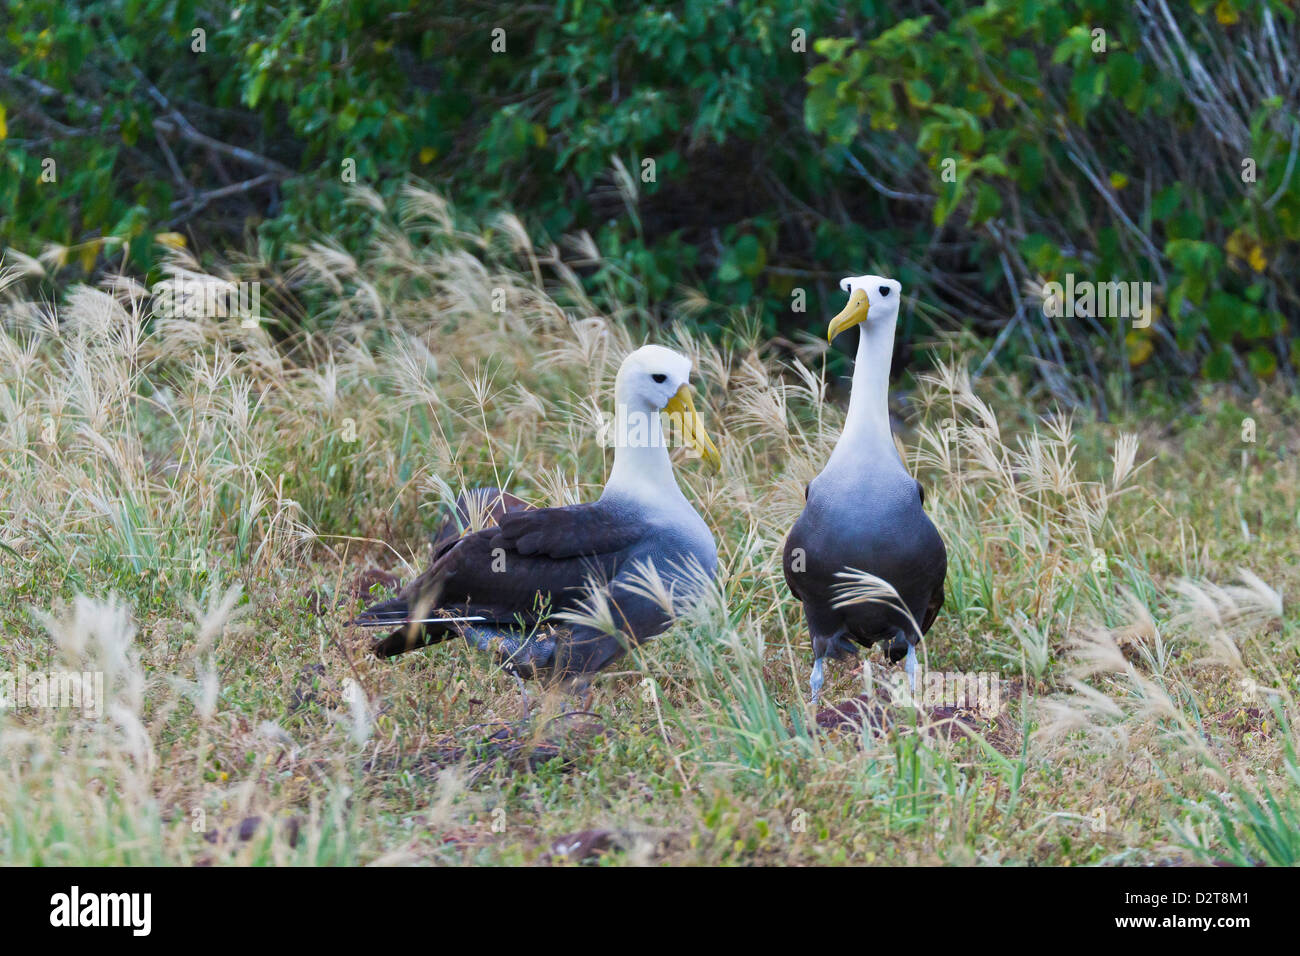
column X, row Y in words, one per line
column 864, row 513
column 524, row 589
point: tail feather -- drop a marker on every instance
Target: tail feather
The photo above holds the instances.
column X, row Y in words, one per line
column 477, row 506
column 394, row 609
column 411, row 637
column 396, row 613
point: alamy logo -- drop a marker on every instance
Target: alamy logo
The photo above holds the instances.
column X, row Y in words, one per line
column 73, row 909
column 1098, row 300
column 81, row 690
column 980, row 692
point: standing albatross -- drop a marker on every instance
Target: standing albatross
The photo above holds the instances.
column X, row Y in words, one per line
column 523, row 590
column 864, row 512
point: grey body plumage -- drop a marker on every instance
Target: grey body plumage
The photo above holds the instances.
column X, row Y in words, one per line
column 869, row 520
column 865, row 513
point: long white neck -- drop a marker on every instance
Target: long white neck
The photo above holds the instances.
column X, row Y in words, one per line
column 866, row 428
column 642, row 469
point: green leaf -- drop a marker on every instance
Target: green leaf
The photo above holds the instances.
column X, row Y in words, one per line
column 254, row 94
column 987, row 204
column 919, row 92
column 1262, row 362
column 1218, row 364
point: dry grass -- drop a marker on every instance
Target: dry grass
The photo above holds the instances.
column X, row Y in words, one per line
column 186, row 504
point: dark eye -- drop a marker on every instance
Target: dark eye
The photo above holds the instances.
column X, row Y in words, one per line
column 884, row 292
column 659, row 377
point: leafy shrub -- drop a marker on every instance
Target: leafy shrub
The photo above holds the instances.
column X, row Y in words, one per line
column 975, row 153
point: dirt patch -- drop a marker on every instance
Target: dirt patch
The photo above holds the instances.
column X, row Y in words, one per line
column 879, row 712
column 523, row 747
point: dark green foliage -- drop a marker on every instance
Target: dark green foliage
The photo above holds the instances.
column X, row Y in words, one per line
column 973, row 152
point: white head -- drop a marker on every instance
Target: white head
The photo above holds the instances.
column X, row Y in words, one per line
column 871, row 298
column 650, row 377
column 654, row 379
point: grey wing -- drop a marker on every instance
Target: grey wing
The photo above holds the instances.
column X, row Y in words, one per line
column 937, row 594
column 635, row 616
column 510, row 575
column 570, row 532
column 485, row 506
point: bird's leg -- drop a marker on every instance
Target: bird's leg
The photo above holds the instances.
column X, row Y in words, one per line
column 523, row 692
column 818, row 678
column 868, row 679
column 910, row 667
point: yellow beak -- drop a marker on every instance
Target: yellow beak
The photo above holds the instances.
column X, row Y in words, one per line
column 685, row 420
column 855, row 312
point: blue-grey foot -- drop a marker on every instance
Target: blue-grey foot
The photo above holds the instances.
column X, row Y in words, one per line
column 818, row 679
column 520, row 654
column 910, row 667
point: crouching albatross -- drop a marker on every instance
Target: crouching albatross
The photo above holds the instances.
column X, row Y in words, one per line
column 523, row 590
column 864, row 513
